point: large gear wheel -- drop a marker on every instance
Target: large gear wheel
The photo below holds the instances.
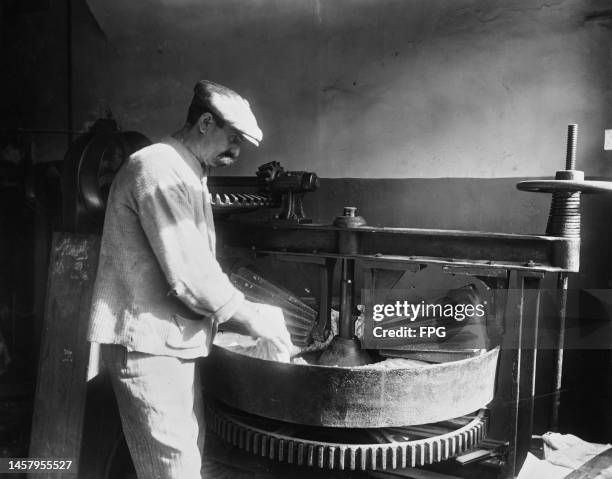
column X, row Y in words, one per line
column 353, row 449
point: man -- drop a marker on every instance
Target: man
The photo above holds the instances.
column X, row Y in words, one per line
column 160, row 293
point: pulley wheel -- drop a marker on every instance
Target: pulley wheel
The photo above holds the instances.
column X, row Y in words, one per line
column 101, row 159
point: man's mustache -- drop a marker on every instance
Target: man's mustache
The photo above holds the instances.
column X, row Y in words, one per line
column 229, row 153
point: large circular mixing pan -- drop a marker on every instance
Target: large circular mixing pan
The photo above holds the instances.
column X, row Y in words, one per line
column 351, row 397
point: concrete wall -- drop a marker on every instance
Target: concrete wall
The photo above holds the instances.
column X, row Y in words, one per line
column 363, row 88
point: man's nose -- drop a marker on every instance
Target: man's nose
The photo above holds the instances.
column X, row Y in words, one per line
column 234, row 150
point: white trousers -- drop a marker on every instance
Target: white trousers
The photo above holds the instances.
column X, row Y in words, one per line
column 160, row 403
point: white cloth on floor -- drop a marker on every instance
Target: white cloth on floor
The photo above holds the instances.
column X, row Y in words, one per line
column 534, row 468
column 563, row 453
column 568, row 450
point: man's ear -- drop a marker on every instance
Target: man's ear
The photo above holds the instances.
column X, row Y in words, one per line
column 204, row 122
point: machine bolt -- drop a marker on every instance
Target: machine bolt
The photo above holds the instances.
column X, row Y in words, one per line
column 349, row 218
column 350, row 211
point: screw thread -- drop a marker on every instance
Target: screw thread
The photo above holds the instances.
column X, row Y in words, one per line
column 572, row 140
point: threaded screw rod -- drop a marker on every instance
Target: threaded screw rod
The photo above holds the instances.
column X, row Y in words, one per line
column 572, row 141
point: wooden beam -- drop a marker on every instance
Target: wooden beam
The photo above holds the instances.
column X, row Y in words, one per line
column 61, row 386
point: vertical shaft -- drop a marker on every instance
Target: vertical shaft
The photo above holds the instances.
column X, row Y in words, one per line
column 346, row 299
column 562, row 285
column 525, row 350
column 564, row 220
column 572, row 140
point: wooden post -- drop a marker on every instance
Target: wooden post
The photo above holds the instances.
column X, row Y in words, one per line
column 61, row 386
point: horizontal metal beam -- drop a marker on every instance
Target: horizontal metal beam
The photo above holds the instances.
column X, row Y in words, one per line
column 447, row 247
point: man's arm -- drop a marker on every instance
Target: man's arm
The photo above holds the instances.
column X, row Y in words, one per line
column 191, row 269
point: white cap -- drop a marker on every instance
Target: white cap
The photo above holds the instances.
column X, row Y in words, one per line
column 230, row 107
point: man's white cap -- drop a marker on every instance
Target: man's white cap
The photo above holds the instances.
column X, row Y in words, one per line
column 230, row 107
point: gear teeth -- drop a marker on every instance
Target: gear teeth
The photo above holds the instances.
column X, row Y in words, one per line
column 310, row 456
column 281, row 450
column 291, row 451
column 320, row 456
column 341, row 457
column 272, row 450
column 331, row 457
column 264, row 445
column 249, row 439
column 352, row 459
column 387, row 453
column 364, row 458
column 256, row 444
column 240, row 200
column 392, row 453
column 401, row 451
column 421, row 454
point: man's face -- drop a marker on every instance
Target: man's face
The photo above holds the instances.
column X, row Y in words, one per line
column 220, row 145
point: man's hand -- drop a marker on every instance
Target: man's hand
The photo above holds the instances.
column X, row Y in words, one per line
column 266, row 322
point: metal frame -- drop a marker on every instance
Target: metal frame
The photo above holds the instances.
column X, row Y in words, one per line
column 516, row 263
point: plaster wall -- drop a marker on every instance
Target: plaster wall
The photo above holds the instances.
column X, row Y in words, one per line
column 362, row 88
